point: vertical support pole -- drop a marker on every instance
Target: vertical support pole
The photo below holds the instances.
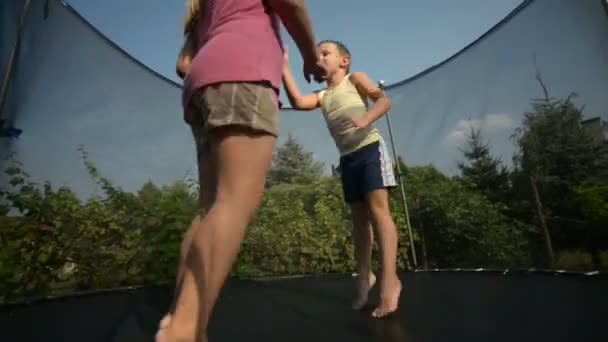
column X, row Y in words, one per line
column 405, row 208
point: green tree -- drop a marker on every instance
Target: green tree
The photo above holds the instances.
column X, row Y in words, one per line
column 291, row 164
column 556, row 155
column 594, row 200
column 461, row 227
column 481, row 171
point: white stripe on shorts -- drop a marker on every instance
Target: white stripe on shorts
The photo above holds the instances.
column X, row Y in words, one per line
column 386, row 165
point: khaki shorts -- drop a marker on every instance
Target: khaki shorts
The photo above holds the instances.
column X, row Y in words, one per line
column 241, row 103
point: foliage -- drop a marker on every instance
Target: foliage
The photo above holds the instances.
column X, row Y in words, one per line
column 53, row 242
column 555, row 157
column 594, row 199
column 574, row 260
column 293, row 165
column 594, row 205
column 553, row 146
column 299, row 229
column 481, row 171
column 461, row 227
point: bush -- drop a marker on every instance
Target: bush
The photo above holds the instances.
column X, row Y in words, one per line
column 604, row 260
column 59, row 243
column 298, row 230
column 574, row 260
column 458, row 227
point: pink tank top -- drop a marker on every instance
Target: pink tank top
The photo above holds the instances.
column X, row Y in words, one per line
column 236, row 40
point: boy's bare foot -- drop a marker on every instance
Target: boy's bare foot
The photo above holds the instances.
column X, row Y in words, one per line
column 364, row 284
column 389, row 299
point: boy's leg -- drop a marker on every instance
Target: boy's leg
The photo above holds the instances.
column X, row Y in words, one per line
column 362, row 239
column 390, row 285
column 377, row 176
column 362, row 230
column 239, row 190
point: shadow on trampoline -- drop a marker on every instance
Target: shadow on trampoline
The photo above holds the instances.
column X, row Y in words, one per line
column 435, row 306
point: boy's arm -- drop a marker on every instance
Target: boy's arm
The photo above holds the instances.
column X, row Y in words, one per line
column 297, row 101
column 367, row 88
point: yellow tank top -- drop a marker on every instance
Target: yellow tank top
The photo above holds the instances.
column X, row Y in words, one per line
column 339, row 104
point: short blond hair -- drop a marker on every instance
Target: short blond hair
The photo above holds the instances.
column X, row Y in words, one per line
column 193, row 10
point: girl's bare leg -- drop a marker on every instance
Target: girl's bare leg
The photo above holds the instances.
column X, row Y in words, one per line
column 207, row 177
column 243, row 159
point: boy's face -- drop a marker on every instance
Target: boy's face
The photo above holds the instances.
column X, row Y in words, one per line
column 331, row 59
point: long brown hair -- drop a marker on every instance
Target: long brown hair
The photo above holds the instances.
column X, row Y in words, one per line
column 192, row 13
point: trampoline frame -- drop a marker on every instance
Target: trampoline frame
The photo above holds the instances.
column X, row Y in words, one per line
column 13, row 305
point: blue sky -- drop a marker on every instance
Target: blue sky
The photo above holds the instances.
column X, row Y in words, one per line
column 402, row 38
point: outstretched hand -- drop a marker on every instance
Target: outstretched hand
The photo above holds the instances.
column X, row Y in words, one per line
column 312, row 67
column 285, row 55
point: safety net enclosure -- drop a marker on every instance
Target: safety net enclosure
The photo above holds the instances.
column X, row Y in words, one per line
column 98, row 184
column 10, row 10
column 74, row 87
column 102, row 98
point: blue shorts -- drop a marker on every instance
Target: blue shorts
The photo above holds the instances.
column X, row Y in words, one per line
column 365, row 170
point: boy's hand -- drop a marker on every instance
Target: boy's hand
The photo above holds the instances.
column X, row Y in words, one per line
column 285, row 56
column 357, row 122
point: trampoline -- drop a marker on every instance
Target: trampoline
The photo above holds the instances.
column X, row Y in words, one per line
column 69, row 85
column 450, row 305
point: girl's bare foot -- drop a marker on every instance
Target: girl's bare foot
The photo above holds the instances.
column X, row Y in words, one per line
column 389, row 299
column 164, row 323
column 364, row 284
column 167, row 332
column 161, row 334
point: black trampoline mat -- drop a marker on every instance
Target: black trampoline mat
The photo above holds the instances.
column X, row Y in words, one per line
column 435, row 306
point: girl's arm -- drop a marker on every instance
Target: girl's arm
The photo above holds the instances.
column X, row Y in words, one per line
column 295, row 18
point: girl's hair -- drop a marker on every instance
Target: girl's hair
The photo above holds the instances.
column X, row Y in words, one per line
column 193, row 11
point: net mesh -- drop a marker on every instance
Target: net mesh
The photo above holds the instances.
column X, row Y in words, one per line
column 10, row 13
column 493, row 81
column 73, row 87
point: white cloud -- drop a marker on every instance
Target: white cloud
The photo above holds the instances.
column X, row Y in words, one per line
column 489, row 124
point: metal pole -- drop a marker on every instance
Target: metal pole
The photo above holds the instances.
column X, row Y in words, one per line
column 407, row 215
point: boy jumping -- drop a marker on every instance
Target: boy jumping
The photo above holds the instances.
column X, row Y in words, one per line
column 366, row 168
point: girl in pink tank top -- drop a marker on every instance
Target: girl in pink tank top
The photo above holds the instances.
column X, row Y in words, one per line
column 231, row 63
